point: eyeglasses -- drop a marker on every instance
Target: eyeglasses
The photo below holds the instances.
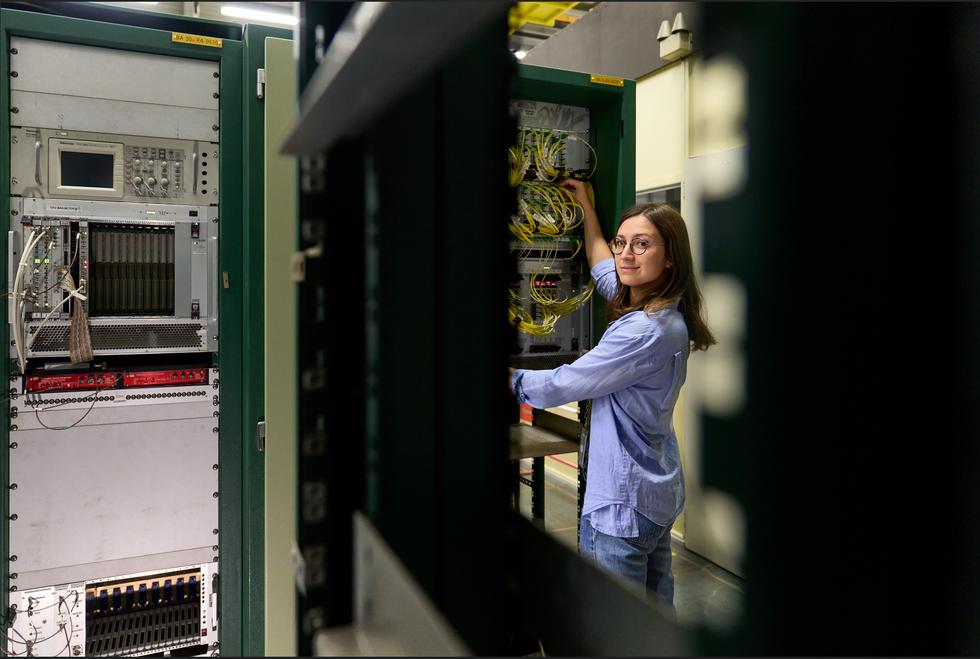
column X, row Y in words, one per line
column 637, row 245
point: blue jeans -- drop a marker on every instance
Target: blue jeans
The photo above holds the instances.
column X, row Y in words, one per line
column 642, row 563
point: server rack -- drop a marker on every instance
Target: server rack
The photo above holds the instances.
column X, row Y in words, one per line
column 148, row 35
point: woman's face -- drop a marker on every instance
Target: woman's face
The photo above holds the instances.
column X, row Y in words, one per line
column 641, row 271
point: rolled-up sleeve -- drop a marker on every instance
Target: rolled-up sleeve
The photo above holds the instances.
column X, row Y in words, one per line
column 621, row 360
column 604, row 276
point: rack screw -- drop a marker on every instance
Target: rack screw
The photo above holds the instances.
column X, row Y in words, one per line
column 215, row 559
column 13, row 428
column 14, row 110
column 14, row 181
column 13, row 51
column 13, row 558
column 214, row 548
column 13, row 486
column 13, row 589
column 215, row 495
column 13, row 444
column 13, row 74
column 13, row 518
column 214, row 430
column 13, row 575
column 215, row 532
column 215, row 467
column 214, row 127
column 215, row 74
column 214, row 95
column 13, row 212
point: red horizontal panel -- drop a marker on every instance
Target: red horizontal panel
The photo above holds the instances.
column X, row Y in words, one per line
column 157, row 378
column 62, row 382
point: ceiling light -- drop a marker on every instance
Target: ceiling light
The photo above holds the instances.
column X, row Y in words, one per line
column 520, row 54
column 255, row 15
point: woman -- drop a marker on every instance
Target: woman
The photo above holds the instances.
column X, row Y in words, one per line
column 635, row 486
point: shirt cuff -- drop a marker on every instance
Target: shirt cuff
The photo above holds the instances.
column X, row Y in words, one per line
column 515, row 384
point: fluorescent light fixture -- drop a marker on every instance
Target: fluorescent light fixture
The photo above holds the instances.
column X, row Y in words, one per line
column 520, row 54
column 255, row 15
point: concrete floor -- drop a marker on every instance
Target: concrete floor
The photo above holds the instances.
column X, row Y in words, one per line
column 704, row 594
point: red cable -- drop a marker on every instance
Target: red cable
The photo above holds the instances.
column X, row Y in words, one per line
column 564, row 462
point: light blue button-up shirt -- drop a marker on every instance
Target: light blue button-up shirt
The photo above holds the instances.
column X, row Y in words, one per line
column 633, row 377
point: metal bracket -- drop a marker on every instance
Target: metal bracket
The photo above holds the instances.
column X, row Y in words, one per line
column 298, row 262
column 261, row 435
column 260, row 87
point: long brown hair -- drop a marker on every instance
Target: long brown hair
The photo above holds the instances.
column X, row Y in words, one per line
column 680, row 281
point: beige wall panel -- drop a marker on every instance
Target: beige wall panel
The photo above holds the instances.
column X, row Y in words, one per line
column 660, row 128
column 280, row 349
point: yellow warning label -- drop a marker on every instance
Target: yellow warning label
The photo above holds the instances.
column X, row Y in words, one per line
column 606, row 80
column 196, row 40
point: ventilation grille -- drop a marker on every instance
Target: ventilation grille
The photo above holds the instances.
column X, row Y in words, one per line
column 142, row 632
column 122, row 337
column 543, row 362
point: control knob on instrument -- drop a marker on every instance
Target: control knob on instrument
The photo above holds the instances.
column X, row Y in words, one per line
column 138, row 180
column 151, row 181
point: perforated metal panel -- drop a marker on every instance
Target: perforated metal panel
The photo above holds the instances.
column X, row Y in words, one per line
column 128, row 337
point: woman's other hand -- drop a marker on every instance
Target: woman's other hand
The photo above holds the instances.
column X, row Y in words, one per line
column 577, row 191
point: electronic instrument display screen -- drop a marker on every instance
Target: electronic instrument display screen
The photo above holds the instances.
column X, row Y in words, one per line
column 89, row 170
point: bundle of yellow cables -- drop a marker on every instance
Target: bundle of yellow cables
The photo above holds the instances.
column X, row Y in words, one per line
column 545, row 153
column 551, row 307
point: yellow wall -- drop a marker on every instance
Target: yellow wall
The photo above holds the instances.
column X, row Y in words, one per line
column 280, row 353
column 659, row 128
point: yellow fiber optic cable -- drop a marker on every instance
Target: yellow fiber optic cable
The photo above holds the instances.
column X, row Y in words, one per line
column 595, row 158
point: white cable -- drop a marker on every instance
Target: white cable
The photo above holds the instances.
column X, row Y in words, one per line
column 18, row 284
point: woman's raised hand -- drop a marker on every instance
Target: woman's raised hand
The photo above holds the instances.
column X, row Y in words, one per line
column 577, row 191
